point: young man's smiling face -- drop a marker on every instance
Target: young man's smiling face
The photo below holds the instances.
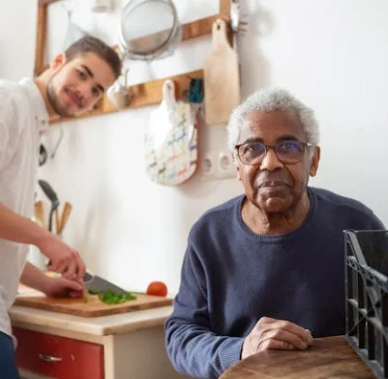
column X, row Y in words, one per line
column 76, row 85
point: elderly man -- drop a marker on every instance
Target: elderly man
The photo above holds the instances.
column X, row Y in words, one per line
column 265, row 270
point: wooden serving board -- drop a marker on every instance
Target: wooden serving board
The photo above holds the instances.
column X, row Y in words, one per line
column 94, row 307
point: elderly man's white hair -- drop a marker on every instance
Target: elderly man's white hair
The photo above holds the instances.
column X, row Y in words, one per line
column 269, row 100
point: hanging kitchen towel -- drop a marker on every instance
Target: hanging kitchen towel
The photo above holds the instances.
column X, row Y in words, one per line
column 170, row 142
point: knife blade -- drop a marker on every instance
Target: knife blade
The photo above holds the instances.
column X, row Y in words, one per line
column 96, row 284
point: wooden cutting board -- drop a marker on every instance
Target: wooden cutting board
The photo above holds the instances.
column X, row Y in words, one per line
column 94, row 307
column 221, row 78
column 170, row 141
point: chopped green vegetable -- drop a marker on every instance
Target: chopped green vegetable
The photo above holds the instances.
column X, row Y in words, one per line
column 86, row 299
column 110, row 297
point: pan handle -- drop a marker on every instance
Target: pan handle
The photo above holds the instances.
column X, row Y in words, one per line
column 50, row 225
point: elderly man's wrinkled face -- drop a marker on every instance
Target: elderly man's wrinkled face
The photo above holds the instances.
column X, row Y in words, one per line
column 272, row 185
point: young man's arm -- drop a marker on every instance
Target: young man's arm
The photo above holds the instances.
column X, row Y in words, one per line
column 63, row 258
column 54, row 287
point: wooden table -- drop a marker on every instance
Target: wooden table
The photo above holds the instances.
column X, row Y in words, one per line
column 329, row 357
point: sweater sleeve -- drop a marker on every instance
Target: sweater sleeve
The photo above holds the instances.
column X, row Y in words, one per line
column 194, row 349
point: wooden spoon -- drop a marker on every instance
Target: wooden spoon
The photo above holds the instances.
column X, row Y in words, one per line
column 65, row 216
column 39, row 213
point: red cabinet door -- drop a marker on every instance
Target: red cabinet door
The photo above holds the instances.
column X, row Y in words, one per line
column 58, row 357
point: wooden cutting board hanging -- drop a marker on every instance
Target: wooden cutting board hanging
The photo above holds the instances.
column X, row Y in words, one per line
column 222, row 79
column 170, row 142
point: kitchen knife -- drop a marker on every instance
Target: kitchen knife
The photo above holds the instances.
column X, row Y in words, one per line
column 96, row 284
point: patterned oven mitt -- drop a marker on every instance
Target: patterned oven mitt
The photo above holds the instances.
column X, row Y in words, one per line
column 170, row 141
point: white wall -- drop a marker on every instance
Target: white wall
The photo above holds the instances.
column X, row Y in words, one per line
column 330, row 54
column 17, row 38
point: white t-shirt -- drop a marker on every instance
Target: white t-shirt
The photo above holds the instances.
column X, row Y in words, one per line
column 22, row 114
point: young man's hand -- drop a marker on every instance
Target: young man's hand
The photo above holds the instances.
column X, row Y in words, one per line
column 62, row 287
column 62, row 258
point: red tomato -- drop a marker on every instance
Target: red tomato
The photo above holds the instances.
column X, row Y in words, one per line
column 157, row 289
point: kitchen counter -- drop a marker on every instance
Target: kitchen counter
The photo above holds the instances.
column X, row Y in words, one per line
column 98, row 326
column 127, row 340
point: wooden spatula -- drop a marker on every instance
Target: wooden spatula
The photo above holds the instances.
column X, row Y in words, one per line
column 222, row 79
column 39, row 213
column 65, row 216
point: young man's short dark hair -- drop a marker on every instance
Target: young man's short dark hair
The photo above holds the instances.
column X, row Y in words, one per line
column 94, row 45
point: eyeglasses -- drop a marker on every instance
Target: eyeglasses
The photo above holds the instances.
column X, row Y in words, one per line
column 287, row 152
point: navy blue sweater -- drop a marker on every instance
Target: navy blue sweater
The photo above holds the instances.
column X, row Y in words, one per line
column 231, row 277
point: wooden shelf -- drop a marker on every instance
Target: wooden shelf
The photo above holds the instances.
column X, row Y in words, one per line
column 144, row 94
column 141, row 94
column 190, row 30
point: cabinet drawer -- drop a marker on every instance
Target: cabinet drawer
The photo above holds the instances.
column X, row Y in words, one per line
column 58, row 357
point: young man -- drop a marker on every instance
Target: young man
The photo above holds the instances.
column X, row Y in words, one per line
column 265, row 270
column 73, row 83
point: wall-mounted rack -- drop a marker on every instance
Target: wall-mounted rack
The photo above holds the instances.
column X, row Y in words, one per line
column 144, row 94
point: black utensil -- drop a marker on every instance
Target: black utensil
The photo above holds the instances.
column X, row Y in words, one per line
column 49, row 192
column 42, row 155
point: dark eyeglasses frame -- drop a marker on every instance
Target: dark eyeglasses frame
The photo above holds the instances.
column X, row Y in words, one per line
column 305, row 145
